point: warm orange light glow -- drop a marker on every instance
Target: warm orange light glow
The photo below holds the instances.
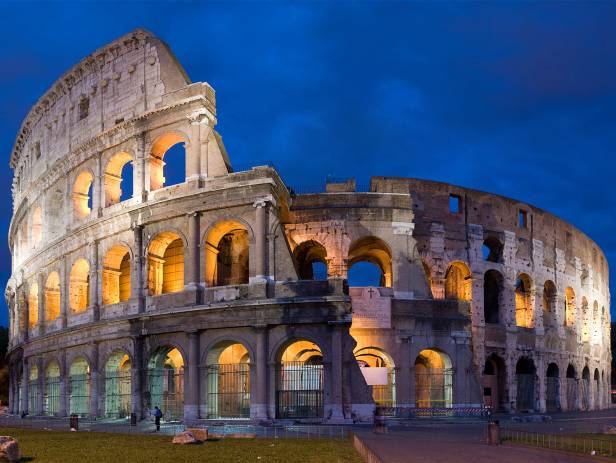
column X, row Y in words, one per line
column 52, row 296
column 82, row 193
column 226, row 254
column 79, row 297
column 159, row 149
column 116, row 275
column 166, row 264
column 33, row 305
column 113, row 177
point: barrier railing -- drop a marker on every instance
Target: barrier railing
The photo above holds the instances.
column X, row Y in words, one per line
column 433, row 412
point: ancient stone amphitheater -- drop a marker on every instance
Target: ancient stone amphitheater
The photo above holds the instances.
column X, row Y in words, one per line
column 230, row 295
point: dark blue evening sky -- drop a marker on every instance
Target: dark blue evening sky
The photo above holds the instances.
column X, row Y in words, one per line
column 513, row 98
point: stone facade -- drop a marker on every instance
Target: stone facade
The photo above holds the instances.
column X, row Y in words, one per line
column 201, row 297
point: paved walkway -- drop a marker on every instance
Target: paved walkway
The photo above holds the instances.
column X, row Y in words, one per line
column 449, row 443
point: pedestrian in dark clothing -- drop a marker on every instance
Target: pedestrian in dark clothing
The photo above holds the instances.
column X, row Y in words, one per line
column 157, row 416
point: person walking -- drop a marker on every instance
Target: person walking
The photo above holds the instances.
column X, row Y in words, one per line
column 157, row 416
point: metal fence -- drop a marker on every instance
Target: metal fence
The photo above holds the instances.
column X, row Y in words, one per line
column 564, row 442
column 166, row 391
column 299, row 390
column 434, row 389
column 433, row 412
column 385, row 395
column 552, row 396
column 79, row 394
column 117, row 394
column 51, row 398
column 228, row 390
column 32, row 395
column 525, row 397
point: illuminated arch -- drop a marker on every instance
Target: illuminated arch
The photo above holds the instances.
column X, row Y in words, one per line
column 523, row 301
column 33, row 307
column 166, row 264
column 82, row 194
column 166, row 381
column 52, row 296
column 114, row 176
column 374, row 251
column 306, row 255
column 79, row 286
column 116, row 275
column 585, row 320
column 458, row 282
column 33, row 388
column 570, row 308
column 79, row 387
column 118, row 385
column 158, row 151
column 51, row 397
column 227, row 254
column 37, row 227
column 433, row 379
column 383, row 394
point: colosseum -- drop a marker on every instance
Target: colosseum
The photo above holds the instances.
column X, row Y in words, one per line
column 231, row 296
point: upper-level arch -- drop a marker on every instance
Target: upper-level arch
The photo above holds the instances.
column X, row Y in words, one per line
column 117, row 178
column 375, row 251
column 160, row 148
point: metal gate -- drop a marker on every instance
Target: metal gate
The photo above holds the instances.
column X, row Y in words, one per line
column 166, row 391
column 117, row 394
column 299, row 390
column 228, row 390
column 585, row 391
column 79, row 394
column 51, row 399
column 434, row 389
column 32, row 396
column 552, row 398
column 526, row 392
column 385, row 395
column 571, row 393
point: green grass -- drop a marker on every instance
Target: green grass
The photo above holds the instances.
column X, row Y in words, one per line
column 76, row 447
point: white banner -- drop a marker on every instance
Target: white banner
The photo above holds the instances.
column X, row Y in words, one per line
column 375, row 376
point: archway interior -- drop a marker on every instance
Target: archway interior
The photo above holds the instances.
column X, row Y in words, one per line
column 51, row 397
column 525, row 377
column 82, row 194
column 79, row 289
column 167, row 161
column 116, row 275
column 299, row 381
column 494, row 382
column 33, row 305
column 166, row 264
column 585, row 321
column 570, row 309
column 458, row 282
column 377, row 365
column 492, row 249
column 585, row 389
column 227, row 254
column 571, row 384
column 166, row 382
column 552, row 396
column 523, row 302
column 118, row 385
column 33, row 388
column 228, row 381
column 369, row 263
column 492, row 288
column 311, row 260
column 52, row 296
column 433, row 380
column 118, row 179
column 79, row 387
column 549, row 304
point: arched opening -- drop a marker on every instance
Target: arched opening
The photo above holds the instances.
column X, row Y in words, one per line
column 525, row 373
column 585, row 321
column 167, row 161
column 492, row 290
column 33, row 306
column 494, row 381
column 596, row 390
column 492, row 249
column 116, row 275
column 299, row 381
column 379, row 372
column 118, row 385
column 166, row 264
column 82, row 194
column 227, row 254
column 33, row 388
column 228, row 381
column 596, row 323
column 52, row 296
column 166, row 382
column 585, row 389
column 374, row 251
column 118, row 179
column 37, row 227
column 79, row 387
column 310, row 257
column 433, row 380
column 79, row 289
column 458, row 282
column 552, row 393
column 51, row 398
column 570, row 309
column 549, row 304
column 571, row 392
column 523, row 302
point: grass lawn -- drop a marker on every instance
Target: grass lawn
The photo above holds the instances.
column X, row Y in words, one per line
column 76, row 447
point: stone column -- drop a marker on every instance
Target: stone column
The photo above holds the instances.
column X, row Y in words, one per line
column 403, row 374
column 193, row 277
column 191, row 405
column 137, row 373
column 97, row 193
column 193, row 152
column 140, row 190
column 335, row 382
column 260, row 239
column 94, row 278
column 64, row 378
column 258, row 399
column 25, row 386
column 94, row 381
column 138, row 267
column 541, row 371
column 41, row 386
column 41, row 303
